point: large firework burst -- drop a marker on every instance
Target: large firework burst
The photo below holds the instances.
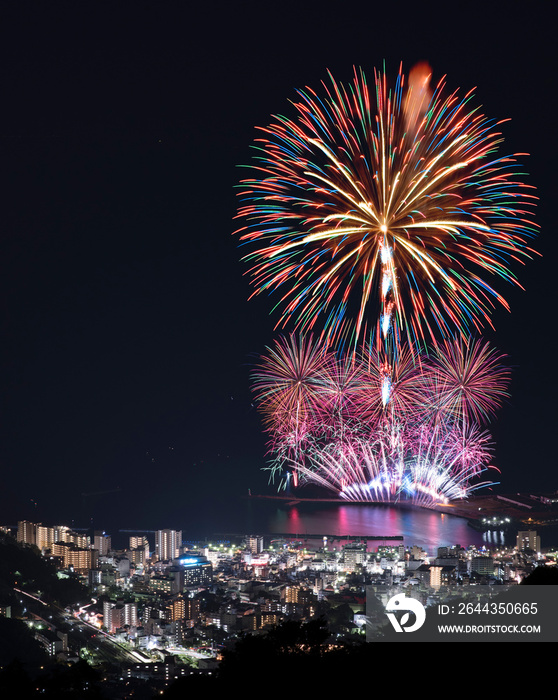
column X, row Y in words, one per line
column 390, row 200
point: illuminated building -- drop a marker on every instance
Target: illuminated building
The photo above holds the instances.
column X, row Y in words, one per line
column 353, row 554
column 74, row 538
column 80, row 559
column 454, row 552
column 257, row 561
column 95, row 577
column 185, row 609
column 113, row 616
column 418, row 554
column 195, row 571
column 117, row 615
column 130, row 614
column 484, row 566
column 139, row 549
column 137, row 556
column 46, row 536
column 269, row 618
column 255, row 544
column 435, row 576
column 164, row 672
column 167, row 544
column 52, row 642
column 101, row 542
column 137, row 542
column 528, row 539
column 26, row 532
column 162, row 584
column 295, row 594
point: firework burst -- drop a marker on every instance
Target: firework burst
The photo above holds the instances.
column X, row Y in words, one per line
column 470, row 379
column 427, row 444
column 289, row 387
column 390, row 203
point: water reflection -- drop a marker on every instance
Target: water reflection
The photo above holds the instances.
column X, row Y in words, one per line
column 495, row 538
column 424, row 528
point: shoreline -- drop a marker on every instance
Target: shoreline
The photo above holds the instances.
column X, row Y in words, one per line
column 519, row 508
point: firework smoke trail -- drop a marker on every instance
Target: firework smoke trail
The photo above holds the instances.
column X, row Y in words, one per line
column 419, row 95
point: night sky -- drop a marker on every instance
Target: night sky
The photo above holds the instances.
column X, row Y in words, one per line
column 126, row 331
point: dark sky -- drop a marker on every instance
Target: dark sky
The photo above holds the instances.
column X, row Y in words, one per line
column 126, row 334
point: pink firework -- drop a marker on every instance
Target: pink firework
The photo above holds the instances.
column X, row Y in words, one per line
column 469, row 380
column 289, row 383
column 289, row 387
column 331, row 422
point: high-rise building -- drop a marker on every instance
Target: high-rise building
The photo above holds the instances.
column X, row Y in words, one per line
column 44, row 536
column 435, row 576
column 116, row 615
column 528, row 539
column 296, row 594
column 353, row 554
column 131, row 614
column 26, row 532
column 484, row 566
column 113, row 616
column 195, row 572
column 167, row 544
column 79, row 558
column 254, row 543
column 140, row 543
column 163, row 584
column 184, row 608
column 137, row 556
column 101, row 542
column 47, row 536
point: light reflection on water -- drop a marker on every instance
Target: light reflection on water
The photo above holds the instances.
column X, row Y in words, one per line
column 427, row 529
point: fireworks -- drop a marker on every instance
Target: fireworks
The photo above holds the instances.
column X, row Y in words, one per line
column 328, row 424
column 469, row 380
column 379, row 218
column 289, row 382
column 389, row 204
column 289, row 386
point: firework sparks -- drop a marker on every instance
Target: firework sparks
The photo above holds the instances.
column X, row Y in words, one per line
column 330, row 425
column 289, row 387
column 470, row 380
column 379, row 217
column 393, row 200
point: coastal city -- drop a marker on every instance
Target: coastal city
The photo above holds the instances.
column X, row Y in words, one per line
column 160, row 607
column 276, row 282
